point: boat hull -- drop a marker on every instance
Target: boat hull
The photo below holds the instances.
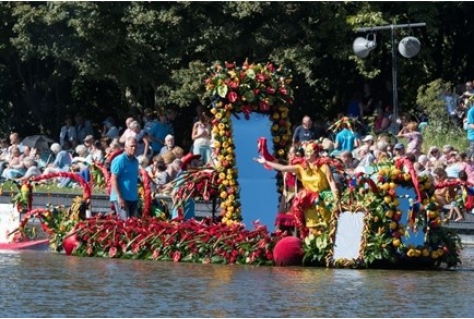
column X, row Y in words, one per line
column 41, row 244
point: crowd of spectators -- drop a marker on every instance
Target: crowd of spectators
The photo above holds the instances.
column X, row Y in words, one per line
column 357, row 143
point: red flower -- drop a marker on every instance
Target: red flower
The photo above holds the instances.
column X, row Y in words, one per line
column 112, row 252
column 176, row 256
column 232, row 97
column 270, row 67
column 135, row 248
column 233, row 85
column 283, row 91
column 270, row 90
column 264, row 106
column 156, row 254
column 259, row 77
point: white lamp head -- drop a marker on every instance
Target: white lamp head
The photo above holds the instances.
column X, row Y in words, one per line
column 362, row 46
column 409, row 47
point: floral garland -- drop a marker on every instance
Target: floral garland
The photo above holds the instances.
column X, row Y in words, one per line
column 383, row 237
column 246, row 89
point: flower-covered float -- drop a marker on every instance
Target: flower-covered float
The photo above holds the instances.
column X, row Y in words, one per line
column 386, row 218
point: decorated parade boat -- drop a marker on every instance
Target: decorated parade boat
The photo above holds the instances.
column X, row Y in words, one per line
column 385, row 216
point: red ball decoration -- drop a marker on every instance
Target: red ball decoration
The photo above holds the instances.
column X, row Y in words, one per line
column 288, row 252
column 70, row 243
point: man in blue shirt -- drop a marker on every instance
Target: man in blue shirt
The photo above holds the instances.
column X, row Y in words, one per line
column 346, row 140
column 124, row 179
column 470, row 131
column 305, row 131
column 158, row 132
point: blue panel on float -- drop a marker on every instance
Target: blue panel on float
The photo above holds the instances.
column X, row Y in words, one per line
column 413, row 238
column 258, row 190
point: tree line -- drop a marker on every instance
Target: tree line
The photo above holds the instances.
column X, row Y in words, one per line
column 118, row 58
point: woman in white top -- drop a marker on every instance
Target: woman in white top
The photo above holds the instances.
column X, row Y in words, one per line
column 201, row 136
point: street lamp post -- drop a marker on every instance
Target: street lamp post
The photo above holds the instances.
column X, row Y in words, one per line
column 410, row 47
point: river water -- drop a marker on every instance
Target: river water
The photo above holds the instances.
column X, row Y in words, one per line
column 46, row 284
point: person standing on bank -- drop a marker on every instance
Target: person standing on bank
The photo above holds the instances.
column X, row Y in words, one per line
column 305, row 131
column 124, row 179
column 469, row 126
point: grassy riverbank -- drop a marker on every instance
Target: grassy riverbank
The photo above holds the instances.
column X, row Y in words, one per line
column 9, row 187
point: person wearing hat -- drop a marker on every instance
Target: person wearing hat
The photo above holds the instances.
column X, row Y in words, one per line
column 398, row 151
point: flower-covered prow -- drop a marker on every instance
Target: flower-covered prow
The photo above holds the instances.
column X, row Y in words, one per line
column 245, row 89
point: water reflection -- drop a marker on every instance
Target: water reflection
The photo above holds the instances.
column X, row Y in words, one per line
column 43, row 284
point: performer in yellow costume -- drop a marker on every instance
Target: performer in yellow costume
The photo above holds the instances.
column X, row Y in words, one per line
column 312, row 204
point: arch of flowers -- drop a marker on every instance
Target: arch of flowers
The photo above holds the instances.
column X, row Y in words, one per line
column 258, row 88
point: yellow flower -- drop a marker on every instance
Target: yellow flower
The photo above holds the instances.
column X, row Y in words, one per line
column 276, row 139
column 229, row 177
column 276, row 116
column 275, row 127
column 218, row 116
column 281, row 152
column 230, row 150
column 213, row 111
column 229, row 157
column 225, row 144
column 215, row 130
column 221, row 126
column 223, row 195
column 222, row 132
column 222, row 176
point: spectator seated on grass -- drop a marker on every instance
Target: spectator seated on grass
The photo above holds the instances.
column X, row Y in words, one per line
column 31, row 167
column 14, row 167
column 62, row 163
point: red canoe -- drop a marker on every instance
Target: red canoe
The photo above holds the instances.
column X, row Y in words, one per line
column 40, row 244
